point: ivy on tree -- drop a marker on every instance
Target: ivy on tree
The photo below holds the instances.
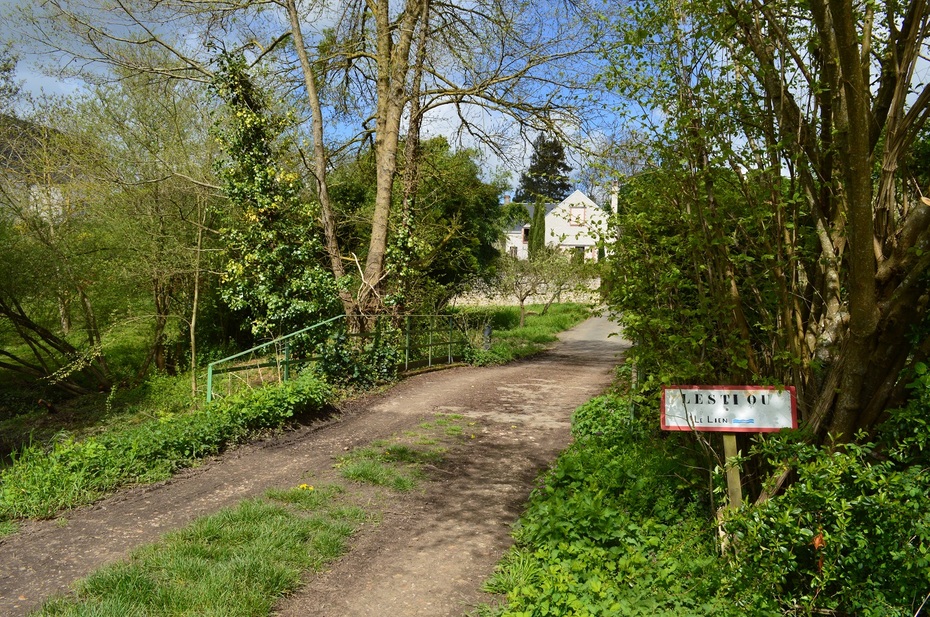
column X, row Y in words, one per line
column 273, row 255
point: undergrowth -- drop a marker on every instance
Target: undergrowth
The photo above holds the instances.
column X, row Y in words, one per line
column 617, row 527
column 43, row 480
column 622, row 526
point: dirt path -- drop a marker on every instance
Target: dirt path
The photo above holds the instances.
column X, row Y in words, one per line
column 430, row 553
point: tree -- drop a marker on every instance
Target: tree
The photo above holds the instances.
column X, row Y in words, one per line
column 158, row 162
column 549, row 275
column 443, row 238
column 48, row 250
column 374, row 60
column 518, row 279
column 546, row 178
column 273, row 261
column 791, row 222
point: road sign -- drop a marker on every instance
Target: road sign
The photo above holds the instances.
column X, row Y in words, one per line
column 729, row 409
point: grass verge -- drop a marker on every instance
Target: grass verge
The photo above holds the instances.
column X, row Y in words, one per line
column 42, row 481
column 237, row 562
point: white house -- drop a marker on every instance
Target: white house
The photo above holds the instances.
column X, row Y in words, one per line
column 575, row 224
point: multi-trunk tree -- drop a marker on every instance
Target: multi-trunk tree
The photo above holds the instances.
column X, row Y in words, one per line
column 780, row 230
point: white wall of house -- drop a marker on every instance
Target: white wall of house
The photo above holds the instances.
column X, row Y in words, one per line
column 575, row 224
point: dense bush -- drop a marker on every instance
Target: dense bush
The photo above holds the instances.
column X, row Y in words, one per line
column 41, row 481
column 852, row 532
column 347, row 361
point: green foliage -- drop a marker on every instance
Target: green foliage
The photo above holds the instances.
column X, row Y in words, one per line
column 239, row 561
column 42, row 481
column 443, row 240
column 362, row 363
column 614, row 528
column 851, row 535
column 662, row 285
column 274, row 256
column 546, row 178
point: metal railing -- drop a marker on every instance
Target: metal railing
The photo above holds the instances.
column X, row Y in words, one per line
column 424, row 340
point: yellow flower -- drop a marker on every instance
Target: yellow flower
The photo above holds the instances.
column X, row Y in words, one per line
column 305, row 487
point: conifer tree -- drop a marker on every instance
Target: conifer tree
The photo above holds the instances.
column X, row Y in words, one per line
column 546, row 177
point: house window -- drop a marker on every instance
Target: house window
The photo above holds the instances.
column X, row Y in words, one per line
column 577, row 215
column 526, row 235
column 513, row 252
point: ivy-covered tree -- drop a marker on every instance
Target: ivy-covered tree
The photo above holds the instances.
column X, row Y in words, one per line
column 546, row 178
column 537, row 240
column 273, row 266
column 445, row 236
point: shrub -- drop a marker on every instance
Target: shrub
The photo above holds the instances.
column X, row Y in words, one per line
column 362, row 366
column 851, row 535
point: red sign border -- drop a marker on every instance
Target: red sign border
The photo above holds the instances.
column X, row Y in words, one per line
column 731, row 429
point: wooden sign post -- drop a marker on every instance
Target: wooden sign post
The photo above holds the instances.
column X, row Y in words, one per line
column 734, row 485
column 729, row 410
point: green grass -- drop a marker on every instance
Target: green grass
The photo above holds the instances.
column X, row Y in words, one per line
column 511, row 342
column 518, row 570
column 8, row 527
column 397, row 464
column 379, row 473
column 43, row 481
column 237, row 562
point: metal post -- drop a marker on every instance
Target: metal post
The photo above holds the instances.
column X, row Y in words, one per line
column 450, row 339
column 287, row 360
column 429, row 361
column 209, row 382
column 407, row 346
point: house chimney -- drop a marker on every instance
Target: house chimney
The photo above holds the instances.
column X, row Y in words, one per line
column 506, row 200
column 614, row 198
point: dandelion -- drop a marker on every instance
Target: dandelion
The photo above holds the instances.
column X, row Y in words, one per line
column 305, row 487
